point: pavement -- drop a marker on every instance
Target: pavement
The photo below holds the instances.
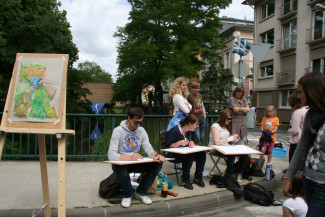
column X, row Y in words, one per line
column 21, row 189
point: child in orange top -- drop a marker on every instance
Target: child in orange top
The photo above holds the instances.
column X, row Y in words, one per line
column 270, row 122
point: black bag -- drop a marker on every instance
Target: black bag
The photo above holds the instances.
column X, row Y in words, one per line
column 257, row 168
column 256, row 193
column 246, row 173
column 109, row 187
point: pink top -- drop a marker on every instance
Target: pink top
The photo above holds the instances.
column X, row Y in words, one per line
column 297, row 120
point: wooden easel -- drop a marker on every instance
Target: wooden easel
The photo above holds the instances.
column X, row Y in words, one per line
column 41, row 129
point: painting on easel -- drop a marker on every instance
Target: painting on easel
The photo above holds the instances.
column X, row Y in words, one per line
column 37, row 89
column 37, row 92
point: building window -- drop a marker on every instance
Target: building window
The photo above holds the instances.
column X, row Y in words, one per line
column 268, row 37
column 284, row 98
column 318, row 25
column 318, row 65
column 290, row 34
column 267, row 9
column 289, row 5
column 266, row 71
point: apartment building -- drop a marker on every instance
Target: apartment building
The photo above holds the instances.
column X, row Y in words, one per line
column 295, row 29
column 232, row 27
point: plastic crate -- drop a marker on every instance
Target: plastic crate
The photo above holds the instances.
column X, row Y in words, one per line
column 279, row 152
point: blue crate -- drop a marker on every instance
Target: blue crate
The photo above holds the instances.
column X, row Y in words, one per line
column 279, row 152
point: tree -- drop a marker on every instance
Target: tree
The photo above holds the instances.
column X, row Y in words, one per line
column 96, row 73
column 216, row 81
column 29, row 26
column 162, row 42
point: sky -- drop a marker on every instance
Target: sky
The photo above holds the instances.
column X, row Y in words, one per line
column 94, row 22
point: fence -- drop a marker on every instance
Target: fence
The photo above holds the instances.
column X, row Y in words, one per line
column 83, row 145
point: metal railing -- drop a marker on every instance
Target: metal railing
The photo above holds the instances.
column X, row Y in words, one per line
column 286, row 78
column 287, row 8
column 315, row 33
column 286, row 43
column 83, row 144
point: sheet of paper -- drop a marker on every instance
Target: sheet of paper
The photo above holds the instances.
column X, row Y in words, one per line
column 236, row 149
column 187, row 150
column 142, row 160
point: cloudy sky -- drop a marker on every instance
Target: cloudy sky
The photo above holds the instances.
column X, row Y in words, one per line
column 94, row 23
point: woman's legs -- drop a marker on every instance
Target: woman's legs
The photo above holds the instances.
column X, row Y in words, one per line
column 315, row 197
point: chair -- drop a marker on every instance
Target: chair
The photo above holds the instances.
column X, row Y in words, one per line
column 216, row 157
column 178, row 171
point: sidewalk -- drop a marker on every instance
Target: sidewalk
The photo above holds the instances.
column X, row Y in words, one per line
column 21, row 191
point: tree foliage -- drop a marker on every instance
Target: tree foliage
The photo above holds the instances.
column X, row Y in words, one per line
column 95, row 72
column 36, row 26
column 162, row 41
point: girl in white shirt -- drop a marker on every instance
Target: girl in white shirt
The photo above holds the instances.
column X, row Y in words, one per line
column 296, row 206
column 179, row 93
column 220, row 134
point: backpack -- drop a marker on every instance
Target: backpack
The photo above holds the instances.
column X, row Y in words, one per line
column 256, row 193
column 256, row 168
column 109, row 187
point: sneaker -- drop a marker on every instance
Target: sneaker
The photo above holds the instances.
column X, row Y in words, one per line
column 198, row 181
column 143, row 199
column 238, row 179
column 187, row 184
column 126, row 202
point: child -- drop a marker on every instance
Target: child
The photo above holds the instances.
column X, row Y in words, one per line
column 269, row 126
column 296, row 206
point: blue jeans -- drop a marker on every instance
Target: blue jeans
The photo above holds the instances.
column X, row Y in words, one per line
column 315, row 197
column 187, row 161
column 201, row 129
column 122, row 171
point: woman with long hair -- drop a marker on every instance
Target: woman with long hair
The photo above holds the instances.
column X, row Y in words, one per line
column 221, row 134
column 310, row 152
column 178, row 94
column 183, row 135
column 296, row 121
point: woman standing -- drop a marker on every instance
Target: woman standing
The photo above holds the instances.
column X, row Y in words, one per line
column 239, row 109
column 183, row 135
column 310, row 153
column 221, row 134
column 296, row 121
column 179, row 93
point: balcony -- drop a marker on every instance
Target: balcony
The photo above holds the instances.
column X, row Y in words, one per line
column 313, row 2
column 288, row 9
column 286, row 78
column 287, row 43
column 315, row 34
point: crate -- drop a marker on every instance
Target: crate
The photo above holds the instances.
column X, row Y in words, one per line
column 279, row 152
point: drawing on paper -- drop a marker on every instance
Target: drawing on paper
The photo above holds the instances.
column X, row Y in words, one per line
column 37, row 90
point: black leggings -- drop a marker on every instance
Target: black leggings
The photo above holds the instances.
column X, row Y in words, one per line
column 292, row 151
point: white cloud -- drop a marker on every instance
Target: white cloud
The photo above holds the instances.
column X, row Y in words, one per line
column 94, row 22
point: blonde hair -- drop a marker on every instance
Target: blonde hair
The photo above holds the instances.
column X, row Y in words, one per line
column 270, row 107
column 176, row 89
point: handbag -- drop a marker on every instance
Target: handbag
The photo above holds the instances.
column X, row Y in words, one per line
column 256, row 168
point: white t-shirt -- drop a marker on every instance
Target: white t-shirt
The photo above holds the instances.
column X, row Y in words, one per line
column 223, row 133
column 297, row 206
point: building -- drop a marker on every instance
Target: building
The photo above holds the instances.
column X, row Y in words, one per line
column 232, row 28
column 295, row 29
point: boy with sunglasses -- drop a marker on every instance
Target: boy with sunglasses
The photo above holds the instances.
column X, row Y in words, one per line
column 126, row 141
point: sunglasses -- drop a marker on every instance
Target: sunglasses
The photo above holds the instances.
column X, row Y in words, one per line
column 229, row 119
column 137, row 122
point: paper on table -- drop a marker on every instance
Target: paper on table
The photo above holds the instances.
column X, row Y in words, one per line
column 236, row 149
column 142, row 160
column 187, row 150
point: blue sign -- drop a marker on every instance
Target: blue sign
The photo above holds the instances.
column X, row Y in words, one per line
column 241, row 47
column 97, row 107
column 95, row 134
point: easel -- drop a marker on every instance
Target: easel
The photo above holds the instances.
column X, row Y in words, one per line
column 41, row 129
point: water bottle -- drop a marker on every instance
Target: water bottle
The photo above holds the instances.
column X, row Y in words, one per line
column 268, row 172
column 164, row 186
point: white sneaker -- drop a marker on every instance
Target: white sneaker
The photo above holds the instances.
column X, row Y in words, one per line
column 143, row 199
column 126, row 202
column 238, row 179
